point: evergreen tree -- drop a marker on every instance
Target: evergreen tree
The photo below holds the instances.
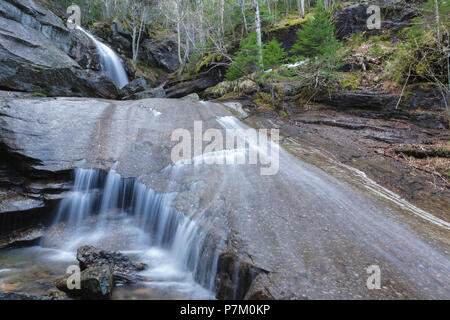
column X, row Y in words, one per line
column 316, row 37
column 274, row 54
column 246, row 59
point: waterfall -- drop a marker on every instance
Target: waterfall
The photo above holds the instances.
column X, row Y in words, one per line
column 109, row 61
column 101, row 206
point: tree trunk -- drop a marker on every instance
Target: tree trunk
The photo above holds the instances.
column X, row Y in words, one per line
column 258, row 33
column 243, row 15
column 438, row 31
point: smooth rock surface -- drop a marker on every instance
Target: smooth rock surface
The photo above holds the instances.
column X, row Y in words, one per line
column 305, row 233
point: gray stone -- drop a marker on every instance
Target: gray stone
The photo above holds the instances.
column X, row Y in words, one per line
column 96, row 283
column 135, row 86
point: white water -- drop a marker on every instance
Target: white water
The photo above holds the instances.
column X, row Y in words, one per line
column 104, row 210
column 109, row 61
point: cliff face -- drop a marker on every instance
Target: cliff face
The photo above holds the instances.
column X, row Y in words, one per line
column 39, row 54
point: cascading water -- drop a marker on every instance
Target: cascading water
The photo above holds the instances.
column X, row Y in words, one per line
column 107, row 211
column 110, row 63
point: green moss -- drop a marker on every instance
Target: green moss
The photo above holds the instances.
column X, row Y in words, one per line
column 207, row 60
column 283, row 114
column 263, row 100
column 231, row 95
column 291, row 21
column 350, row 81
column 40, row 94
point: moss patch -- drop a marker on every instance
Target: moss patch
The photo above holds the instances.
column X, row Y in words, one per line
column 290, row 21
column 349, row 81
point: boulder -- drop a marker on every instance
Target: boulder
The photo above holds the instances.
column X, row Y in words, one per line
column 181, row 89
column 192, row 97
column 96, row 283
column 161, row 54
column 135, row 86
column 89, row 256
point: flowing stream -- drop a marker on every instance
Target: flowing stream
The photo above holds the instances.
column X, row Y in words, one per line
column 109, row 61
column 112, row 213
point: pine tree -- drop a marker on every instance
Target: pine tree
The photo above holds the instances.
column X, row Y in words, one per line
column 246, row 59
column 316, row 37
column 274, row 54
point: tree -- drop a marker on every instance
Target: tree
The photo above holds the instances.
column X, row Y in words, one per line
column 316, row 37
column 258, row 33
column 274, row 56
column 246, row 60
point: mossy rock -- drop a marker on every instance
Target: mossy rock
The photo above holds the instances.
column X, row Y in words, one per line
column 291, row 21
column 263, row 100
column 231, row 95
column 207, row 60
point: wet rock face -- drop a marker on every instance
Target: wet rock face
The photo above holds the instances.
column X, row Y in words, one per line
column 39, row 54
column 235, row 277
column 156, row 53
column 23, row 238
column 116, row 36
